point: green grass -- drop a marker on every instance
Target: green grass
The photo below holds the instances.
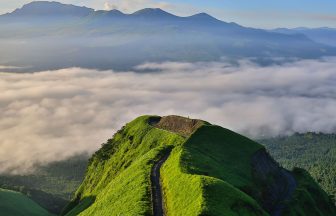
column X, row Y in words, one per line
column 199, row 179
column 127, row 194
column 213, row 151
column 183, row 192
column 207, row 173
column 118, row 175
column 222, row 199
column 16, row 204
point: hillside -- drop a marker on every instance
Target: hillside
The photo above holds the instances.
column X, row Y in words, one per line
column 16, row 204
column 315, row 152
column 51, row 185
column 204, row 169
column 82, row 37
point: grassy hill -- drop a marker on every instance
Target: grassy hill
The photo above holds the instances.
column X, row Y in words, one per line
column 16, row 204
column 210, row 171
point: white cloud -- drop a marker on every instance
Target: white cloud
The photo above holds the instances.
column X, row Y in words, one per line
column 52, row 115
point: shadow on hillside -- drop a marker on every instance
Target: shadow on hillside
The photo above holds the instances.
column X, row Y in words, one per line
column 75, row 207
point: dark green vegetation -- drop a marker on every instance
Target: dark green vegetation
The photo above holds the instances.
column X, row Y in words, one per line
column 310, row 196
column 16, row 204
column 315, row 152
column 51, row 186
column 210, row 171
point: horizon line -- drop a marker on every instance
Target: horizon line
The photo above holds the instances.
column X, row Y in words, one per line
column 171, row 13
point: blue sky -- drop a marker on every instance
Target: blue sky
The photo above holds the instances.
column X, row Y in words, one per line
column 254, row 13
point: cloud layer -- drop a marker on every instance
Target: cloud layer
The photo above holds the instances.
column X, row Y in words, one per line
column 52, row 115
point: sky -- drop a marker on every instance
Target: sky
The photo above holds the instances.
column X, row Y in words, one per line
column 85, row 107
column 253, row 13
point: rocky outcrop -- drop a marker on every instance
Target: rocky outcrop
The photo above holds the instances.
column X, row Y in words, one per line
column 177, row 124
column 275, row 183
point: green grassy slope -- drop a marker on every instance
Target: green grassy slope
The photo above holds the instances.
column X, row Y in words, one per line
column 16, row 204
column 187, row 194
column 209, row 172
column 118, row 175
column 204, row 150
column 200, row 180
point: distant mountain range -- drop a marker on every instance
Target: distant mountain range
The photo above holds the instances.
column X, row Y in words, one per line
column 321, row 35
column 49, row 35
column 44, row 8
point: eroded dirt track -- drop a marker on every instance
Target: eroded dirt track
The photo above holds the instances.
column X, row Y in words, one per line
column 157, row 198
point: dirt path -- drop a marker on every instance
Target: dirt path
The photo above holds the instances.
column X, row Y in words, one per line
column 157, row 197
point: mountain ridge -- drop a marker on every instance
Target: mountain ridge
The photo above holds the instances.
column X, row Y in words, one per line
column 105, row 40
column 324, row 35
column 47, row 8
column 210, row 171
column 50, row 8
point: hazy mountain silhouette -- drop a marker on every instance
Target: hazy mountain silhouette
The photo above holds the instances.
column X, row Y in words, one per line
column 53, row 35
column 44, row 8
column 322, row 35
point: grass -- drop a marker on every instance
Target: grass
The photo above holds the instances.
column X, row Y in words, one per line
column 122, row 182
column 16, row 204
column 127, row 194
column 213, row 151
column 222, row 199
column 205, row 174
column 182, row 191
column 198, row 179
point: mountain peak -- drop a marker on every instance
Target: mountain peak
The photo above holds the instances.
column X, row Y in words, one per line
column 115, row 11
column 51, row 8
column 153, row 13
column 203, row 16
column 111, row 13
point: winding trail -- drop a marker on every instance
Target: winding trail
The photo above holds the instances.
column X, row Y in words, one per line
column 157, row 198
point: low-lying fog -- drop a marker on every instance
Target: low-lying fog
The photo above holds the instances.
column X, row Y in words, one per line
column 51, row 115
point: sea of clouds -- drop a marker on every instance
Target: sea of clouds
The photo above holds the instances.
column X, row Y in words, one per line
column 52, row 115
